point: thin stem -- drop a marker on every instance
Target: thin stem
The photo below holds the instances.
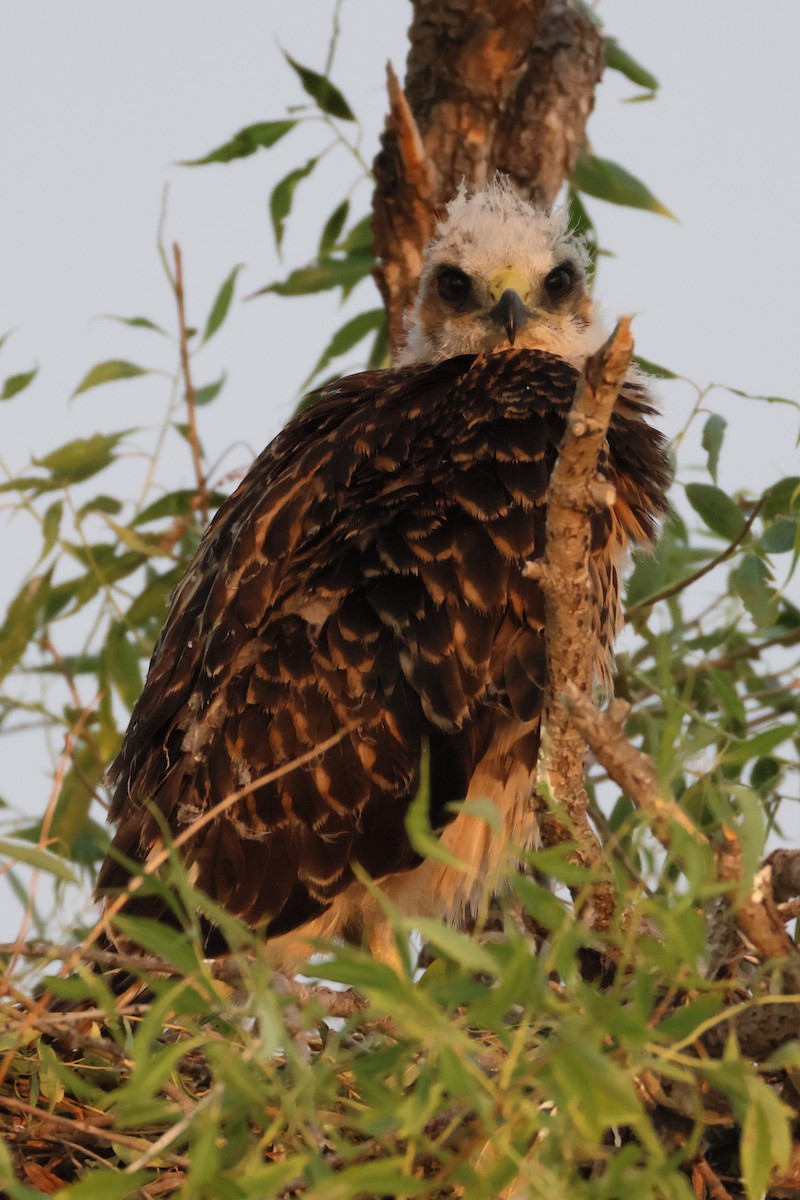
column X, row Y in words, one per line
column 189, row 388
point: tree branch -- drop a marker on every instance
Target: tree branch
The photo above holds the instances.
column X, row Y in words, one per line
column 564, row 574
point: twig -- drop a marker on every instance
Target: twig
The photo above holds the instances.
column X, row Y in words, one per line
column 629, row 767
column 575, row 491
column 189, row 388
column 688, row 580
column 76, row 1128
column 711, row 1181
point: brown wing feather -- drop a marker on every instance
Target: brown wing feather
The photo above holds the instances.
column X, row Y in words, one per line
column 368, row 569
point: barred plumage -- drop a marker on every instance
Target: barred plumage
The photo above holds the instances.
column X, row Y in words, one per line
column 369, row 571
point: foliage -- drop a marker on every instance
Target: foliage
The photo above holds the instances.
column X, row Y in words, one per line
column 500, row 1070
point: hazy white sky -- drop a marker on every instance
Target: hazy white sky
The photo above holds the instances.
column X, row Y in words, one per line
column 99, row 101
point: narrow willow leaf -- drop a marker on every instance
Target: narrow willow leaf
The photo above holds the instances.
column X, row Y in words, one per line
column 321, row 277
column 280, row 201
column 713, row 436
column 137, row 323
column 219, row 309
column 17, row 383
column 651, row 368
column 36, row 857
column 752, row 583
column 100, row 1184
column 609, row 181
column 620, row 60
column 51, row 524
column 171, row 945
column 108, row 372
column 320, row 89
column 144, row 544
column 253, row 137
column 360, row 239
column 204, row 395
column 766, row 1138
column 348, row 336
column 83, row 457
column 718, row 511
column 758, row 746
column 333, row 228
column 22, row 621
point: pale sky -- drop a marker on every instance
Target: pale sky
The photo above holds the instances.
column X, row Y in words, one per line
column 99, row 101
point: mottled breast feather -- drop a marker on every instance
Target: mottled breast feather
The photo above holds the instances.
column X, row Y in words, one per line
column 369, row 571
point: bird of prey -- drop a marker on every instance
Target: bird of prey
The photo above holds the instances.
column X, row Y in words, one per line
column 368, row 574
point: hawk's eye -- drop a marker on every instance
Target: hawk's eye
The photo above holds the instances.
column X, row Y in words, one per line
column 558, row 283
column 454, row 286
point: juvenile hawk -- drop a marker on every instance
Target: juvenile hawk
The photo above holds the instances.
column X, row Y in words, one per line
column 369, row 571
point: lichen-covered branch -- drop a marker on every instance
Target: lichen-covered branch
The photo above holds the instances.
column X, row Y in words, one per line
column 491, row 85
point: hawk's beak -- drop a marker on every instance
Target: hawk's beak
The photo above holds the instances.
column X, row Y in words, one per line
column 510, row 289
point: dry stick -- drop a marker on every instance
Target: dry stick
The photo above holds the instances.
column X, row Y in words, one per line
column 189, row 388
column 626, row 765
column 575, row 492
column 154, row 863
column 76, row 1128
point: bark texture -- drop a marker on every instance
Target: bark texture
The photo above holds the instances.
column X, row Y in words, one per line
column 491, row 85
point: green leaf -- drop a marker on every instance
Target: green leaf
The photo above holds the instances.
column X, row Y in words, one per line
column 765, row 1142
column 751, row 582
column 782, row 498
column 83, row 457
column 51, row 524
column 360, row 239
column 219, row 309
column 137, row 323
column 108, row 372
column 253, row 137
column 280, row 201
column 17, row 383
column 320, row 89
column 333, row 228
column 166, row 943
column 349, row 335
column 100, row 1184
column 22, row 621
column 618, row 59
column 321, row 276
column 459, row 947
column 780, row 537
column 121, row 659
column 204, row 395
column 651, row 368
column 713, row 435
column 609, row 181
column 756, row 747
column 718, row 511
column 36, row 857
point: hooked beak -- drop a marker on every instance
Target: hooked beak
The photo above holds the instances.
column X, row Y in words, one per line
column 511, row 291
column 510, row 312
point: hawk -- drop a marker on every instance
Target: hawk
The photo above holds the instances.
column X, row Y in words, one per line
column 368, row 575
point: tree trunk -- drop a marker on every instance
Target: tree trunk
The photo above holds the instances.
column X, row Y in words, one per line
column 491, row 85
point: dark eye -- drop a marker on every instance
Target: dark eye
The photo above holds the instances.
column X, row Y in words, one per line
column 454, row 286
column 559, row 282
